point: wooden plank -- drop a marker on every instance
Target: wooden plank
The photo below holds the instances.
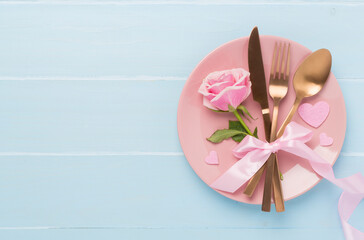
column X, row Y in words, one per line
column 112, row 116
column 87, row 40
column 142, row 192
column 179, row 2
column 92, row 116
column 177, row 234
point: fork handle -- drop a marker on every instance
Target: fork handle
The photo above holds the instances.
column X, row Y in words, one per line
column 277, row 185
column 274, row 121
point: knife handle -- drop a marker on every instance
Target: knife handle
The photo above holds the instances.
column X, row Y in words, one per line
column 277, row 188
column 267, row 123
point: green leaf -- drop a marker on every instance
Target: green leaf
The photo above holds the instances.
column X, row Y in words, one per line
column 244, row 110
column 236, row 125
column 255, row 133
column 222, row 134
column 239, row 138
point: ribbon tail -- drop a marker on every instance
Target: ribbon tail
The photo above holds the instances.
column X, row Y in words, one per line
column 241, row 171
column 353, row 186
column 347, row 204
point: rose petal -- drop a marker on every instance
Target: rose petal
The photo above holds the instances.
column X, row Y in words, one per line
column 218, row 87
column 207, row 104
column 227, row 77
column 214, row 77
column 221, row 76
column 224, row 88
column 231, row 95
column 203, row 89
column 242, row 77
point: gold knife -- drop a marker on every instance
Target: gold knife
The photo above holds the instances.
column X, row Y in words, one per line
column 259, row 91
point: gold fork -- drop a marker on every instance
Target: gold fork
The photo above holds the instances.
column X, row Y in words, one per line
column 278, row 88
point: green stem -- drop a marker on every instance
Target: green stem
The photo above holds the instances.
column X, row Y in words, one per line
column 242, row 122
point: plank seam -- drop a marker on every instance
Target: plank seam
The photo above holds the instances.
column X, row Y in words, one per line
column 136, row 153
column 101, row 78
column 156, row 227
column 90, row 154
column 122, row 78
column 199, row 3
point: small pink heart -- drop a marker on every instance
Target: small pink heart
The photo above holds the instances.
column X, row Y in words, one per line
column 212, row 158
column 314, row 115
column 325, row 140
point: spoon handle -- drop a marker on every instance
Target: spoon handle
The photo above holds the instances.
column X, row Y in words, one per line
column 289, row 116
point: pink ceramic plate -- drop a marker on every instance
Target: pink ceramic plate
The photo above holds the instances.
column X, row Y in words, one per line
column 196, row 123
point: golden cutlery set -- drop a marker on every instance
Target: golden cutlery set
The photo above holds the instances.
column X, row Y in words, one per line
column 308, row 80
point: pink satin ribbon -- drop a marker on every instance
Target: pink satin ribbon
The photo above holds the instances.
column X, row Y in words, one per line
column 253, row 153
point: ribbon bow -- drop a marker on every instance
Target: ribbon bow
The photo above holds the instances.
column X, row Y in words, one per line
column 253, row 153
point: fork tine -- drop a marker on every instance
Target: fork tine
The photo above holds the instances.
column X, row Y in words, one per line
column 274, row 61
column 278, row 61
column 283, row 64
column 287, row 61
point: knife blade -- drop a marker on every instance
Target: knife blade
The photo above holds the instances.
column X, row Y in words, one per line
column 257, row 77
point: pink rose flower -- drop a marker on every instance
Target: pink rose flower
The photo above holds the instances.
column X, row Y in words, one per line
column 223, row 88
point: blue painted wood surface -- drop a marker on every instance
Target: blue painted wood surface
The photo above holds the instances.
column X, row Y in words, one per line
column 88, row 102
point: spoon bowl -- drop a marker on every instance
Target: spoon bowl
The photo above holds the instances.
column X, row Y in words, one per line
column 312, row 74
column 308, row 80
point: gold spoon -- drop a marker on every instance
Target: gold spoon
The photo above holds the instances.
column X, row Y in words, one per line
column 308, row 80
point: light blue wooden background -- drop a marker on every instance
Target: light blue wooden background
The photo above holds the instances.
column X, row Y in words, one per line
column 88, row 102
